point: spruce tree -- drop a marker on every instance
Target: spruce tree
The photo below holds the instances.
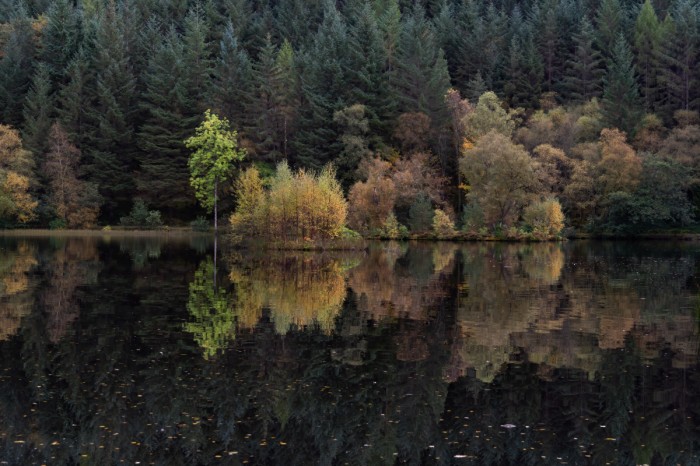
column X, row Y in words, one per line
column 74, row 98
column 163, row 180
column 111, row 150
column 323, row 74
column 232, row 83
column 287, row 94
column 609, row 23
column 368, row 77
column 647, row 37
column 421, row 78
column 60, row 39
column 584, row 68
column 16, row 68
column 621, row 103
column 679, row 57
column 37, row 113
column 265, row 127
column 525, row 72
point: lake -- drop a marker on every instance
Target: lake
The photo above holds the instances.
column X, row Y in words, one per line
column 145, row 351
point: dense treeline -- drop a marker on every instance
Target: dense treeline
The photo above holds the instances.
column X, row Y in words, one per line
column 124, row 83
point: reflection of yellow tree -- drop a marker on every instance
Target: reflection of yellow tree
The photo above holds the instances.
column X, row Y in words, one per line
column 210, row 308
column 299, row 289
column 16, row 298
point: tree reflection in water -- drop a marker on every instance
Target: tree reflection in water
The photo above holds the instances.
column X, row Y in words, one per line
column 579, row 353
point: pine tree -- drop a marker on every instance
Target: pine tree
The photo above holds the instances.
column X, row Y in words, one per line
column 38, row 108
column 647, row 36
column 525, row 72
column 74, row 98
column 609, row 24
column 367, row 73
column 584, row 75
column 323, row 74
column 621, row 105
column 421, row 78
column 265, row 127
column 163, row 180
column 16, row 68
column 678, row 55
column 60, row 39
column 111, row 149
column 231, row 90
column 287, row 94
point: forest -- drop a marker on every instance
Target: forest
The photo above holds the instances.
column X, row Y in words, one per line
column 434, row 115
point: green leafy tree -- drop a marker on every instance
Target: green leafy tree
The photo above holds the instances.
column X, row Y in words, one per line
column 215, row 151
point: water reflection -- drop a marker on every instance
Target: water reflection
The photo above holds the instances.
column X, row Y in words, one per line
column 148, row 351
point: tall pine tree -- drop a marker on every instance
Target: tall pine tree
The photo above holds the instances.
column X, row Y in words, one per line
column 621, row 103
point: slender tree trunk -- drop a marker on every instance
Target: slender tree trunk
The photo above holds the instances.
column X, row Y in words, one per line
column 216, row 210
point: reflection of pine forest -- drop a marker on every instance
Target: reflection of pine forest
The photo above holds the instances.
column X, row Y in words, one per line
column 578, row 353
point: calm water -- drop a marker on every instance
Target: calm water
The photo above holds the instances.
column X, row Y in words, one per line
column 141, row 351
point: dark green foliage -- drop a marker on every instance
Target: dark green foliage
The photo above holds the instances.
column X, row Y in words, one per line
column 659, row 202
column 16, row 68
column 232, row 82
column 38, row 109
column 621, row 105
column 420, row 215
column 421, row 78
column 60, row 39
column 584, row 75
column 140, row 216
column 323, row 72
column 111, row 118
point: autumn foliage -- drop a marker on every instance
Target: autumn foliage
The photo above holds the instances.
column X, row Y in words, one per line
column 301, row 205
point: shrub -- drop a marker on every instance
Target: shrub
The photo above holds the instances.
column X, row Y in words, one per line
column 443, row 226
column 544, row 217
column 392, row 229
column 420, row 215
column 140, row 216
column 57, row 224
column 200, row 224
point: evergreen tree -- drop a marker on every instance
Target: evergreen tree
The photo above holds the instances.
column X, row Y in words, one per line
column 163, row 180
column 584, row 75
column 16, row 68
column 60, row 39
column 367, row 74
column 265, row 128
column 647, row 37
column 74, row 98
column 37, row 112
column 323, row 74
column 232, row 80
column 111, row 147
column 609, row 24
column 678, row 55
column 621, row 106
column 421, row 78
column 525, row 72
column 287, row 94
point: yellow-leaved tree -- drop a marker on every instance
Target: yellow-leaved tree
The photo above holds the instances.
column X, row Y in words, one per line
column 16, row 201
column 301, row 205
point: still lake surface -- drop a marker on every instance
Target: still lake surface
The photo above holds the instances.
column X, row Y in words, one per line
column 142, row 351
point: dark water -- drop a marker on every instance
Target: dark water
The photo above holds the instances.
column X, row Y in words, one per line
column 140, row 351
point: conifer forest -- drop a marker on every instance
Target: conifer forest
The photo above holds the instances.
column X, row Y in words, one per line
column 423, row 115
